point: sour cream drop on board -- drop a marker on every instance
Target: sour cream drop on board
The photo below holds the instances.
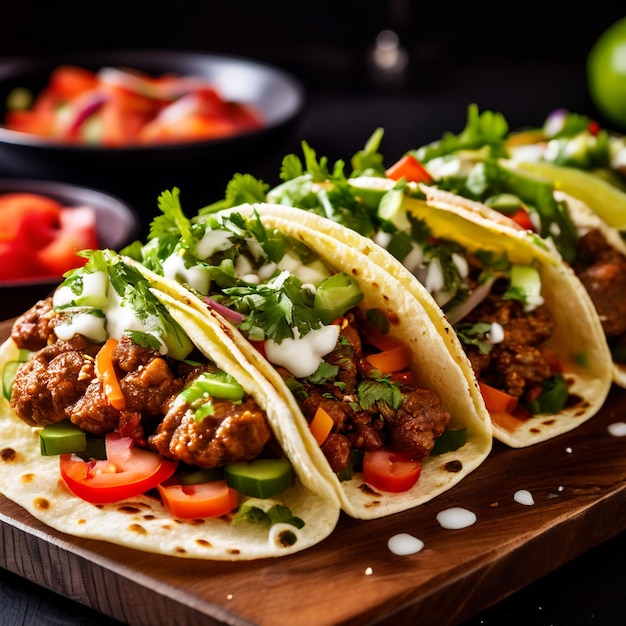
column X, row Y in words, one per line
column 403, row 544
column 456, row 518
column 303, row 355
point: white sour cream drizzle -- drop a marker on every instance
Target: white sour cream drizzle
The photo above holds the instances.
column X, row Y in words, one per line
column 403, row 544
column 99, row 296
column 196, row 276
column 213, row 241
column 456, row 518
column 303, row 355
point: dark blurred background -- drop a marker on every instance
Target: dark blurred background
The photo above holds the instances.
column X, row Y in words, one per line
column 327, row 43
column 523, row 59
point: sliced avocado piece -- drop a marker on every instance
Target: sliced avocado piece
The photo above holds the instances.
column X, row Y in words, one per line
column 335, row 296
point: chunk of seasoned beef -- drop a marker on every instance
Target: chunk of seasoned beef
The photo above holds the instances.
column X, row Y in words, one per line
column 336, row 449
column 517, row 365
column 418, row 422
column 34, row 329
column 234, row 432
column 46, row 386
column 602, row 270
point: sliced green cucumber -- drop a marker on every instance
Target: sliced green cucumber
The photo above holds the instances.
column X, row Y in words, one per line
column 262, row 478
column 61, row 438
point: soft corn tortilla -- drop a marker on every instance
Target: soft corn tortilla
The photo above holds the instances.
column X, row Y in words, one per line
column 34, row 482
column 438, row 361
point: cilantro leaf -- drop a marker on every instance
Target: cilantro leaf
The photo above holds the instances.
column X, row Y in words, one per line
column 482, row 129
column 373, row 392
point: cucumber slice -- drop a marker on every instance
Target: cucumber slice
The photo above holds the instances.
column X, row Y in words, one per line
column 525, row 286
column 8, row 374
column 61, row 438
column 370, row 189
column 262, row 478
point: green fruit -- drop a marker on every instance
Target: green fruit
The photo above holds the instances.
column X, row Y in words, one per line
column 606, row 73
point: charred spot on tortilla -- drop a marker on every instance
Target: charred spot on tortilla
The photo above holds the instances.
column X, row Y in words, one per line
column 8, row 455
column 138, row 529
column 286, row 538
column 203, row 543
column 365, row 488
column 127, row 508
column 27, row 478
column 453, row 466
column 43, row 504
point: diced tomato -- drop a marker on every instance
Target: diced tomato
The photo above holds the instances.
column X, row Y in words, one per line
column 40, row 237
column 522, row 218
column 129, row 473
column 77, row 231
column 210, row 499
column 389, row 470
column 510, row 420
column 409, row 168
column 68, row 81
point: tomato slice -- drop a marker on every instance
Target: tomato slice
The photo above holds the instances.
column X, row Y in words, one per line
column 389, row 470
column 210, row 499
column 127, row 472
column 394, row 355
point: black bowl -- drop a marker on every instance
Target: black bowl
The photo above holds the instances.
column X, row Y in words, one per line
column 138, row 174
column 116, row 223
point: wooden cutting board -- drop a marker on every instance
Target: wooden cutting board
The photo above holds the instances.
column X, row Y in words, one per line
column 577, row 482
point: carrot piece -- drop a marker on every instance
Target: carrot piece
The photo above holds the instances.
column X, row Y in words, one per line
column 321, row 425
column 394, row 356
column 105, row 371
column 496, row 400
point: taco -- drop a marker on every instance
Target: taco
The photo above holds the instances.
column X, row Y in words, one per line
column 375, row 379
column 534, row 196
column 526, row 323
column 121, row 423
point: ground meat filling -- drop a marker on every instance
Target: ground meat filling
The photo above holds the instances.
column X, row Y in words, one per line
column 35, row 329
column 602, row 270
column 413, row 427
column 518, row 364
column 232, row 433
column 59, row 382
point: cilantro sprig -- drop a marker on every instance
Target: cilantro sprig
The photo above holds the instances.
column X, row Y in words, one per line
column 274, row 308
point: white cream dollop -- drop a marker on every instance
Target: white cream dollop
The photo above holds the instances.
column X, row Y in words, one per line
column 303, row 355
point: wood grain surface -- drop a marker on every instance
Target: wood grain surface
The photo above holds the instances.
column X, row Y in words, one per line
column 577, row 482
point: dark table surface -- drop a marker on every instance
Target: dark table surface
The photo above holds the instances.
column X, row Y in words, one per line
column 587, row 590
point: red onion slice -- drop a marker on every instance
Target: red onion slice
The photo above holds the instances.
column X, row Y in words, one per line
column 224, row 311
